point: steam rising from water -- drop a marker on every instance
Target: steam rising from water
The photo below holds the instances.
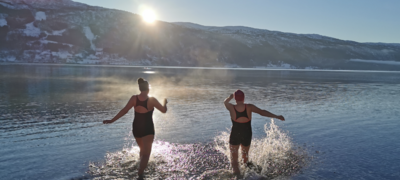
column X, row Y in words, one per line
column 272, row 156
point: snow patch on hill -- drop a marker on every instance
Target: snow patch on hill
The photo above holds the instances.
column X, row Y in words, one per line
column 3, row 22
column 9, row 6
column 64, row 54
column 280, row 65
column 376, row 61
column 31, row 30
column 9, row 59
column 40, row 16
column 49, row 4
column 90, row 36
column 56, row 33
column 47, row 42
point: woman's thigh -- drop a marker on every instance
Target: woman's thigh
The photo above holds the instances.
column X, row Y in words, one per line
column 147, row 142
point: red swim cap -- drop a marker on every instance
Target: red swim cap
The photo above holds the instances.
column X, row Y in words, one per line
column 239, row 95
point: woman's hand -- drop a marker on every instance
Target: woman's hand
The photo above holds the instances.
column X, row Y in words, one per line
column 107, row 121
column 231, row 96
column 165, row 102
column 280, row 117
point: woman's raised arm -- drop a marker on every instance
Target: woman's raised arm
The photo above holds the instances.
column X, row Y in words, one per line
column 158, row 106
column 228, row 105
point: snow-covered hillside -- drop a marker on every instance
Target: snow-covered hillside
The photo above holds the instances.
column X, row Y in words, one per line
column 47, row 4
column 64, row 31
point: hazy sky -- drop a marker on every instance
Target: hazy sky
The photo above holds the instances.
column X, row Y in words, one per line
column 357, row 20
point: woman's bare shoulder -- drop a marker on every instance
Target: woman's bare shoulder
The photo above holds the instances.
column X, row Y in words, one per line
column 153, row 99
column 133, row 98
column 252, row 106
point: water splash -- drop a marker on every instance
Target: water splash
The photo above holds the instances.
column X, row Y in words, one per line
column 272, row 156
column 167, row 161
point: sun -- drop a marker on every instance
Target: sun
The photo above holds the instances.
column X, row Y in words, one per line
column 149, row 16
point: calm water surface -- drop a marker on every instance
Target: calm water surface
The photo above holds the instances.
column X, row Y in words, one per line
column 51, row 120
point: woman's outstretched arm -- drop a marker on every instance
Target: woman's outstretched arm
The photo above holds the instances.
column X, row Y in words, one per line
column 228, row 105
column 123, row 111
column 163, row 108
column 265, row 112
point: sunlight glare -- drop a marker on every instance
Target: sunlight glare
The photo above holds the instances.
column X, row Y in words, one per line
column 149, row 16
column 149, row 72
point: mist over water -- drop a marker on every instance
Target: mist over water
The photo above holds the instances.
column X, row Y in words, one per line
column 339, row 125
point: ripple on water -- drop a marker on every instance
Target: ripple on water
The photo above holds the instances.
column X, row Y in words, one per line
column 272, row 156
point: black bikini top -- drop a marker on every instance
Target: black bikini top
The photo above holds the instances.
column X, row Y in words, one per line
column 141, row 103
column 241, row 114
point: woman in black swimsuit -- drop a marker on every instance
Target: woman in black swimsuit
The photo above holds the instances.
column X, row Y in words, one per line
column 142, row 127
column 241, row 127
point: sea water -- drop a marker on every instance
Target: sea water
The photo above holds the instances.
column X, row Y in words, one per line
column 339, row 124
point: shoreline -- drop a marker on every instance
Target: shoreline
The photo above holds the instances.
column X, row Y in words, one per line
column 188, row 67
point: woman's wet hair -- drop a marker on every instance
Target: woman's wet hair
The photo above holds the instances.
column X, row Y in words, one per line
column 143, row 85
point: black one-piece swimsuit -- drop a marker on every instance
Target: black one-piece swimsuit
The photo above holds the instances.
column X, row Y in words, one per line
column 143, row 123
column 241, row 132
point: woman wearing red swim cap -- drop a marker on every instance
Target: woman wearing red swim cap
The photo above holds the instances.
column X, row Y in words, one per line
column 241, row 126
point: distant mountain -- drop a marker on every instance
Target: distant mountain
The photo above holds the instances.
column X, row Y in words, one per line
column 63, row 31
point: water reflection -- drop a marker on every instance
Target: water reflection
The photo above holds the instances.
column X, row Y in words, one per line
column 149, row 72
